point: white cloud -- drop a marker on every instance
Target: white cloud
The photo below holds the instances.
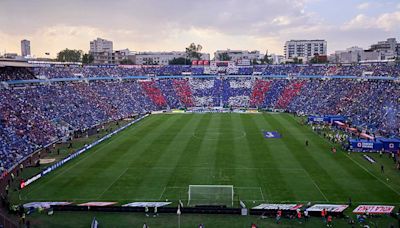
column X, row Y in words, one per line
column 387, row 22
column 281, row 20
column 364, row 5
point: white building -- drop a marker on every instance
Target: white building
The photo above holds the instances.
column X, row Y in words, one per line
column 304, row 49
column 25, row 48
column 101, row 45
column 237, row 55
column 389, row 49
column 102, row 51
column 355, row 55
column 161, row 58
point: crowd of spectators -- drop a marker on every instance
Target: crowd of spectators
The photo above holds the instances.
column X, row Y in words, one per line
column 32, row 116
column 75, row 71
column 15, row 73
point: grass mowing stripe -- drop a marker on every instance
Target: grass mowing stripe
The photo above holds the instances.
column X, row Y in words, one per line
column 180, row 175
column 112, row 183
column 262, row 150
column 297, row 152
column 242, row 173
column 366, row 170
column 207, row 152
column 345, row 167
column 161, row 136
column 102, row 147
column 173, row 149
column 167, row 151
column 198, row 176
column 359, row 165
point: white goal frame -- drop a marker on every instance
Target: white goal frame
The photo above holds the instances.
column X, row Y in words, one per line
column 211, row 186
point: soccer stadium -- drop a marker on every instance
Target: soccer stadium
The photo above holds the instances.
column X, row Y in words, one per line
column 119, row 138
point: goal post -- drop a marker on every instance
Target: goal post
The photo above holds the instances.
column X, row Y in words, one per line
column 210, row 195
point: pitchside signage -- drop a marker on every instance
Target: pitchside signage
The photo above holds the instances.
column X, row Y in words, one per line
column 327, row 119
column 271, row 134
column 147, row 204
column 373, row 209
column 97, row 204
column 327, row 207
column 45, row 205
column 77, row 153
column 284, row 207
column 365, row 145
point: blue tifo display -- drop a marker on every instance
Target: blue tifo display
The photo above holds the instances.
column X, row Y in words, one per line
column 271, row 134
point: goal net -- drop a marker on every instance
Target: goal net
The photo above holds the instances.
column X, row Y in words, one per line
column 210, row 195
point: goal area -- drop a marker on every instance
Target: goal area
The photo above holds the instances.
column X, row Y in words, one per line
column 210, row 195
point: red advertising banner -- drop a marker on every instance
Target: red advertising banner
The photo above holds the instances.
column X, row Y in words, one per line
column 373, row 209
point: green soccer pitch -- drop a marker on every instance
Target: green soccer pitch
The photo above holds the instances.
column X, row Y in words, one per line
column 160, row 156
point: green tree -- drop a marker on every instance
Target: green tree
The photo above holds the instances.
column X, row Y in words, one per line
column 193, row 51
column 68, row 55
column 179, row 61
column 296, row 61
column 87, row 58
column 224, row 56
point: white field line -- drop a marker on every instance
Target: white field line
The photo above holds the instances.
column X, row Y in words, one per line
column 205, row 167
column 383, row 182
column 162, row 193
column 112, row 183
column 262, row 194
column 316, row 185
column 362, row 167
column 72, row 166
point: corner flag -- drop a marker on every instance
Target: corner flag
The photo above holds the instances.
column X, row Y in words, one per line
column 95, row 224
column 178, row 212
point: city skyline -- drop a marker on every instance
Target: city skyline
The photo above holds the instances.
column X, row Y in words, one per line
column 172, row 25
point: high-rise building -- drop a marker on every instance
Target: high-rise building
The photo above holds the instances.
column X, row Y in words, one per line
column 102, row 51
column 101, row 45
column 25, row 48
column 304, row 49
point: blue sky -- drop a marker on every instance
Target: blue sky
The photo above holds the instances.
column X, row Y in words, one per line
column 166, row 25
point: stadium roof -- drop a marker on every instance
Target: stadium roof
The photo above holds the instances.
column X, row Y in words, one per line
column 14, row 63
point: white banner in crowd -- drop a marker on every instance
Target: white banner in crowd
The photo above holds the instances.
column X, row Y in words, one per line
column 266, row 206
column 44, row 205
column 327, row 207
column 147, row 204
column 373, row 209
